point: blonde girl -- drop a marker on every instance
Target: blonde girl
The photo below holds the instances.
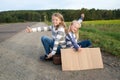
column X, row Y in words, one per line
column 52, row 46
column 73, row 35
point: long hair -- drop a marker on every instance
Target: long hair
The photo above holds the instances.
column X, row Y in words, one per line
column 77, row 32
column 60, row 16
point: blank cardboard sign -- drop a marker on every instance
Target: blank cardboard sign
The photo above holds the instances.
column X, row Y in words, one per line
column 88, row 58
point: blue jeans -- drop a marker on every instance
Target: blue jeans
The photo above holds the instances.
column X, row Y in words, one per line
column 85, row 43
column 48, row 45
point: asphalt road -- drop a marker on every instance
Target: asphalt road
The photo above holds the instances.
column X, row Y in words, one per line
column 8, row 30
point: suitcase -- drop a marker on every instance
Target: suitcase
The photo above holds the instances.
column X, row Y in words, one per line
column 57, row 59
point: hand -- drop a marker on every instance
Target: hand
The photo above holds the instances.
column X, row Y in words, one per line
column 82, row 15
column 49, row 56
column 79, row 49
column 28, row 29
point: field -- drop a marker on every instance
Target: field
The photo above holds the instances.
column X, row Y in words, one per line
column 104, row 34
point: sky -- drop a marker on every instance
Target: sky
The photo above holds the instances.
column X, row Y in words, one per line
column 7, row 5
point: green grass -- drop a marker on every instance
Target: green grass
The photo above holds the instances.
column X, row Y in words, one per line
column 103, row 33
column 103, row 22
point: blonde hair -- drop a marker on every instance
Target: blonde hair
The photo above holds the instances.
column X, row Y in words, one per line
column 60, row 16
column 79, row 26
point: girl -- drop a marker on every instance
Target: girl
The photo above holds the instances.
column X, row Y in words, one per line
column 72, row 36
column 52, row 46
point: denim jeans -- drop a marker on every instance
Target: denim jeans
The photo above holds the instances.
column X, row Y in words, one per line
column 48, row 45
column 85, row 43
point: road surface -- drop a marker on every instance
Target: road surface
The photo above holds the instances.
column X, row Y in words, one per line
column 8, row 30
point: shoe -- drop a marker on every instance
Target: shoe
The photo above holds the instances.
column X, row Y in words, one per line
column 43, row 57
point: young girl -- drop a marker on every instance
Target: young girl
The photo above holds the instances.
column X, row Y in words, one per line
column 72, row 36
column 52, row 46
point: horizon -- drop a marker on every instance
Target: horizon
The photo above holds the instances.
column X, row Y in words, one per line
column 57, row 9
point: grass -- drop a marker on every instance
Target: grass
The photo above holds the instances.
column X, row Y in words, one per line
column 103, row 33
column 103, row 22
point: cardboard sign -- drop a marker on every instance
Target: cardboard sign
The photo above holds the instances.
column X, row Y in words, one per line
column 88, row 58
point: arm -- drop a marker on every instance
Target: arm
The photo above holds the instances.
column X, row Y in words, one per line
column 74, row 43
column 40, row 29
column 59, row 37
column 80, row 20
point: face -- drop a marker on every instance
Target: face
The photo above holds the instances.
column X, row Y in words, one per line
column 74, row 27
column 56, row 21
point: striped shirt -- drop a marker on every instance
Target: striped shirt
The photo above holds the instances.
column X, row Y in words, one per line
column 71, row 40
column 58, row 35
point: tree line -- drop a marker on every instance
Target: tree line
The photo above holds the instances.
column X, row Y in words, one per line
column 69, row 15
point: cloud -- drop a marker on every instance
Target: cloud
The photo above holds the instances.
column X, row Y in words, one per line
column 101, row 4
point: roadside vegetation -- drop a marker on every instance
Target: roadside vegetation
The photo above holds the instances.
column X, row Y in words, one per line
column 103, row 34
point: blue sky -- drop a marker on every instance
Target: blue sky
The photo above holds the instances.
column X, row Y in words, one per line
column 6, row 5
